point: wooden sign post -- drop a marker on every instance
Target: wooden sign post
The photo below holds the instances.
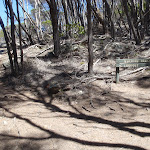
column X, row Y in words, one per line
column 136, row 63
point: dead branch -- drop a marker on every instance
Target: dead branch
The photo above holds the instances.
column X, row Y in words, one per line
column 44, row 50
column 134, row 71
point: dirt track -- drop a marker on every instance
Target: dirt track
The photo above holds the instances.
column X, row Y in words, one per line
column 120, row 119
column 100, row 116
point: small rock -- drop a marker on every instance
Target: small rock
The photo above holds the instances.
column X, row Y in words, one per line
column 80, row 92
column 5, row 122
column 108, row 68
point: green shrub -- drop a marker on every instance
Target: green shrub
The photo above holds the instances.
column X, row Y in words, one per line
column 76, row 29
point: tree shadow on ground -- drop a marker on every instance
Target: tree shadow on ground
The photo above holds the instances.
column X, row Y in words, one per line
column 144, row 82
column 24, row 145
column 52, row 134
column 35, row 85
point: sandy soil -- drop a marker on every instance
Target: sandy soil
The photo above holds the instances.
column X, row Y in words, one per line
column 90, row 115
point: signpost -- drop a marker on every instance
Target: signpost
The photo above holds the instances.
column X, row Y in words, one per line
column 136, row 63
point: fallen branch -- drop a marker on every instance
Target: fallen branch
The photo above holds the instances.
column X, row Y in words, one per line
column 88, row 80
column 98, row 77
column 44, row 50
column 33, row 46
column 134, row 71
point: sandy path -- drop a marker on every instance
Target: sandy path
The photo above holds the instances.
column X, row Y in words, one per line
column 117, row 119
column 28, row 122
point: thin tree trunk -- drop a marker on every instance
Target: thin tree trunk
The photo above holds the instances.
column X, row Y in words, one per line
column 94, row 4
column 133, row 12
column 40, row 25
column 136, row 37
column 66, row 18
column 70, row 7
column 108, row 10
column 36, row 18
column 54, row 17
column 47, row 14
column 121, row 19
column 9, row 3
column 29, row 35
column 8, row 46
column 135, row 16
column 27, row 1
column 99, row 18
column 147, row 17
column 90, row 40
column 30, row 19
column 141, row 30
column 7, row 20
column 79, row 12
column 20, row 36
column 24, row 15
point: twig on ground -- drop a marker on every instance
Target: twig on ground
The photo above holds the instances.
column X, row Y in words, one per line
column 96, row 62
column 85, row 109
column 91, row 103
